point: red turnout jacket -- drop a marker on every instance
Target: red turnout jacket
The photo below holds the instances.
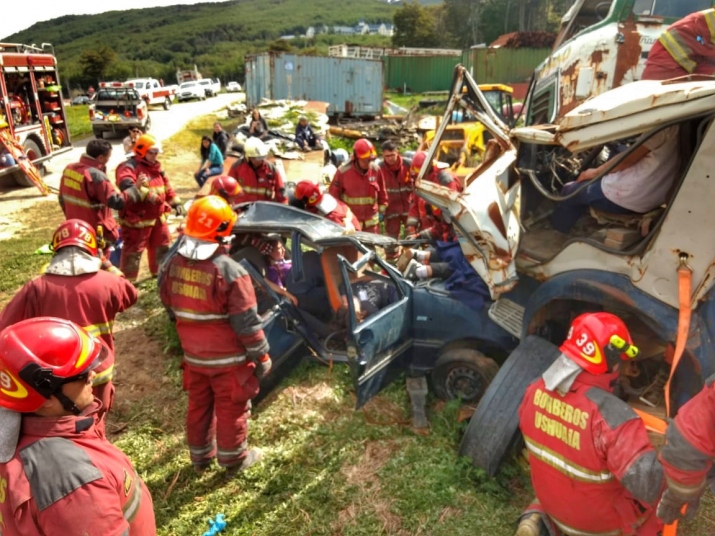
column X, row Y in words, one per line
column 66, row 478
column 87, row 194
column 593, row 467
column 213, row 300
column 362, row 191
column 140, row 214
column 259, row 184
column 90, row 300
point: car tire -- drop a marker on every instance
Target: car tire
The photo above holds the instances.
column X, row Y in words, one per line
column 98, row 133
column 167, row 103
column 463, row 373
column 33, row 152
column 147, row 126
column 493, row 430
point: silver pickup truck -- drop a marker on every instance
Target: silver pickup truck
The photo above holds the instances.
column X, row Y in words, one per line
column 118, row 107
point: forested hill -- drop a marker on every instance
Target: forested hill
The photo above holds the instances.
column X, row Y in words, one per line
column 214, row 36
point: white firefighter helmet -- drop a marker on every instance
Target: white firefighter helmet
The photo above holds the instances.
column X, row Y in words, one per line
column 255, row 148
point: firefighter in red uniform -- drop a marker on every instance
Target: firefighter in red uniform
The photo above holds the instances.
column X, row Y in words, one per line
column 74, row 287
column 324, row 204
column 59, row 474
column 688, row 455
column 399, row 186
column 423, row 217
column 593, row 468
column 225, row 350
column 685, row 47
column 87, row 194
column 259, row 178
column 360, row 185
column 143, row 223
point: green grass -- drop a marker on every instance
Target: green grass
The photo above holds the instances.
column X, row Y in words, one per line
column 327, row 468
column 18, row 263
column 78, row 119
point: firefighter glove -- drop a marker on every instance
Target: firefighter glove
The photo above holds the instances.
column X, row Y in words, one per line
column 179, row 209
column 263, row 366
column 671, row 505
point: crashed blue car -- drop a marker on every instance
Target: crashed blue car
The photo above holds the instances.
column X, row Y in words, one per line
column 425, row 332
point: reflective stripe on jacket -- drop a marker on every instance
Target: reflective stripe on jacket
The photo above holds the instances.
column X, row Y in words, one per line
column 593, row 468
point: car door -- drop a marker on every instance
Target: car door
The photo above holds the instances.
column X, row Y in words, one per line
column 287, row 344
column 379, row 347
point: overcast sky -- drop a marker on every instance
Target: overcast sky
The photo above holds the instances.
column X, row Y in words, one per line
column 24, row 13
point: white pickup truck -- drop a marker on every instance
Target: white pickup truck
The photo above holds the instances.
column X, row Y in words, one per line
column 212, row 86
column 153, row 92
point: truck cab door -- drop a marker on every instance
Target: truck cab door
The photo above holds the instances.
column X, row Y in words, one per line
column 379, row 346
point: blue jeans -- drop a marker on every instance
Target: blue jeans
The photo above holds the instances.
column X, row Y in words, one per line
column 204, row 174
column 567, row 213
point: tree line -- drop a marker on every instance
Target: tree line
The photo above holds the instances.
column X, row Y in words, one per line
column 464, row 23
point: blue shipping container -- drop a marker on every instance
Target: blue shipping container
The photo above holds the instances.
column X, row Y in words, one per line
column 352, row 86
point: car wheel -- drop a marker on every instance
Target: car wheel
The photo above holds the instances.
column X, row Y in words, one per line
column 98, row 133
column 33, row 152
column 167, row 103
column 463, row 373
column 493, row 430
column 147, row 126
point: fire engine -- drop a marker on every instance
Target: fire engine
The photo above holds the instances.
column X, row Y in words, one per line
column 31, row 112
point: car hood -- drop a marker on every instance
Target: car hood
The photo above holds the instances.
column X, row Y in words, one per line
column 264, row 216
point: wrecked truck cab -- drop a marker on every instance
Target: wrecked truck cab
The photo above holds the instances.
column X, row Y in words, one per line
column 424, row 332
column 631, row 266
column 601, row 45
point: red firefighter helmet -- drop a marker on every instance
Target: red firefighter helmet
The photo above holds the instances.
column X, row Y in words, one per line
column 364, row 150
column 597, row 341
column 38, row 356
column 309, row 192
column 226, row 187
column 210, row 218
column 78, row 233
column 143, row 143
column 417, row 161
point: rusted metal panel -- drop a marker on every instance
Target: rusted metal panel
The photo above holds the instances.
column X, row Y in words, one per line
column 504, row 65
column 351, row 86
column 420, row 73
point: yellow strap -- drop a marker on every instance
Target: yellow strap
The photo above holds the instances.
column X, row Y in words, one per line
column 709, row 16
column 358, row 200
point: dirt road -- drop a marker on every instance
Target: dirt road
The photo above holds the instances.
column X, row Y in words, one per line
column 164, row 125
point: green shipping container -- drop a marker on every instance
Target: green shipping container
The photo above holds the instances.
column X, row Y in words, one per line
column 420, row 73
column 504, row 65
